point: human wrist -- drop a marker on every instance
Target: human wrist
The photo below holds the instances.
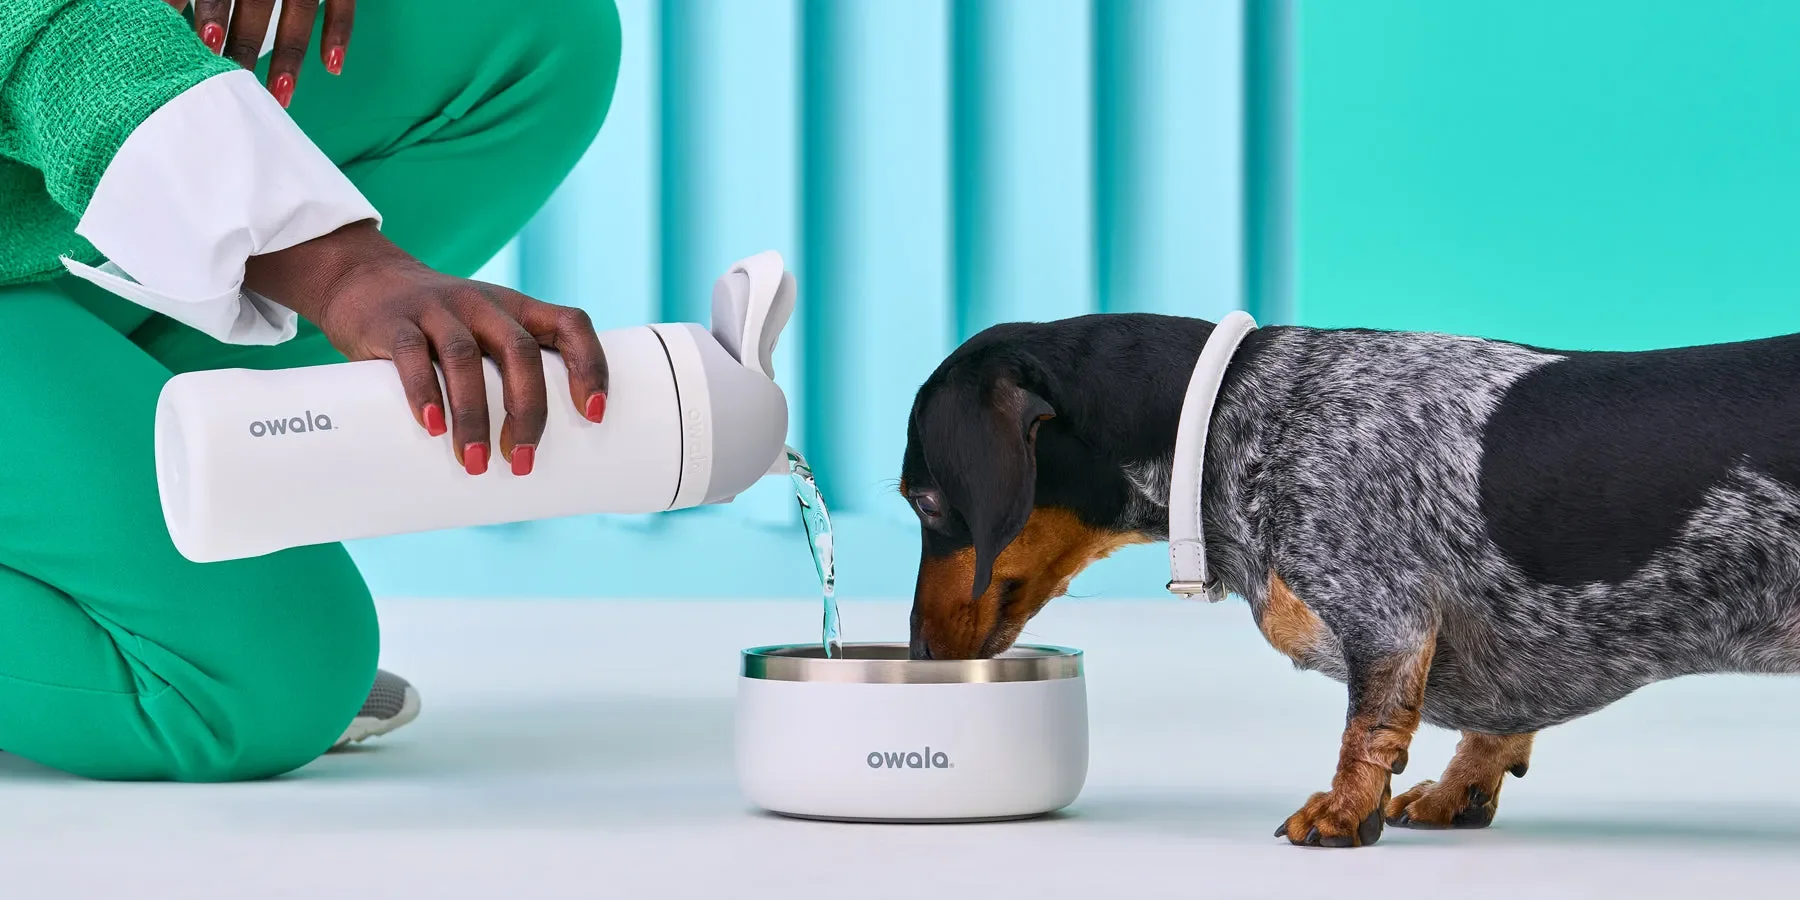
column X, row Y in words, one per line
column 310, row 276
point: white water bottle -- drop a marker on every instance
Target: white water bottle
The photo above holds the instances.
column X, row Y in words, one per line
column 250, row 462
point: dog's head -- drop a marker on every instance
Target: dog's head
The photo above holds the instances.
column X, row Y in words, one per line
column 1013, row 493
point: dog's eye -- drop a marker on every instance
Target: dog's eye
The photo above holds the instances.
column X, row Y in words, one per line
column 927, row 505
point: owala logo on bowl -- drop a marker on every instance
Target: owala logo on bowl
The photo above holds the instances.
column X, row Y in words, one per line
column 834, row 738
column 914, row 760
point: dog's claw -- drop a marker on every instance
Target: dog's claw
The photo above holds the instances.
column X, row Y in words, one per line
column 1519, row 770
column 1478, row 814
column 1473, row 817
column 1399, row 764
column 1312, row 838
column 1370, row 830
column 1402, row 820
column 1281, row 830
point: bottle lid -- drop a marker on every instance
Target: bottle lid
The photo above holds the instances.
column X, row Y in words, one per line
column 751, row 304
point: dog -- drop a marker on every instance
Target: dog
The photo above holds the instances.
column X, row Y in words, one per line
column 1486, row 536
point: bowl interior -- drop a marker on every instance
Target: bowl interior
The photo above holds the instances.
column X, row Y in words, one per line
column 891, row 663
column 899, row 652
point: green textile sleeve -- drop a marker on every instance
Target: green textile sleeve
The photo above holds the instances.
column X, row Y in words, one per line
column 78, row 76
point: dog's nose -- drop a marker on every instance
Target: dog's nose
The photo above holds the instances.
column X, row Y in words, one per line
column 920, row 649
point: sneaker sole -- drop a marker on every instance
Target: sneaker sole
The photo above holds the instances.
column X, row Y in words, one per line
column 364, row 727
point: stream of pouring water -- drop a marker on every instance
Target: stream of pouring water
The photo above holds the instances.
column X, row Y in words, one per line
column 818, row 535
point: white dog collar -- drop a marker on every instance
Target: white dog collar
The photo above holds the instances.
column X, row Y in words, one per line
column 1187, row 537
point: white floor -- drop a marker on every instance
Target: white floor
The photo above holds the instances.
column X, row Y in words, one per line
column 582, row 749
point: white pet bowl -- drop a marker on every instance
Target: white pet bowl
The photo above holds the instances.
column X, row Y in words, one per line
column 874, row 736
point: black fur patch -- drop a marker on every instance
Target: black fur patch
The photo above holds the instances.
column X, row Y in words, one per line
column 1593, row 463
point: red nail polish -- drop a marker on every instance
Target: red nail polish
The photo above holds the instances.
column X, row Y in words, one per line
column 523, row 456
column 596, row 407
column 334, row 60
column 213, row 36
column 434, row 419
column 475, row 458
column 283, row 89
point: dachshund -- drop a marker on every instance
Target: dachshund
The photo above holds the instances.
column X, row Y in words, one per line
column 1483, row 535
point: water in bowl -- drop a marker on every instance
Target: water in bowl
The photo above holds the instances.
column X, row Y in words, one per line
column 818, row 534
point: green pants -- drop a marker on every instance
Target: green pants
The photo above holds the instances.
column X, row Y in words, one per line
column 119, row 659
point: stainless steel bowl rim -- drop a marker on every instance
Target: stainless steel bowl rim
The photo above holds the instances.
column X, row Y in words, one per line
column 1022, row 663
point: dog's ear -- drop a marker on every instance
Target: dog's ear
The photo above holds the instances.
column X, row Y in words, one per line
column 980, row 443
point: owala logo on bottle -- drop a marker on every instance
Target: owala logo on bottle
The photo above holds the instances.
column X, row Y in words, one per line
column 697, row 448
column 910, row 760
column 294, row 425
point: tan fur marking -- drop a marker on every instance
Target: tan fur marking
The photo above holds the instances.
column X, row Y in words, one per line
column 1288, row 624
column 1038, row 565
column 947, row 618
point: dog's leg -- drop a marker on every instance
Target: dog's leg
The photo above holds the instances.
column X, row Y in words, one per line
column 1385, row 697
column 1469, row 792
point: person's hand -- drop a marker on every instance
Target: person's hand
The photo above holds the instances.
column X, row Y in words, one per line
column 250, row 24
column 375, row 301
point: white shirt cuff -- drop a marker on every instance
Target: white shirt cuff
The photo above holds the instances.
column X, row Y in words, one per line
column 215, row 176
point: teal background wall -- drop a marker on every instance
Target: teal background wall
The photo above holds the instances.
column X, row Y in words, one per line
column 1614, row 174
column 928, row 168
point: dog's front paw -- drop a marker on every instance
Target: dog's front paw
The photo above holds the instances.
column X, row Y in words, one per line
column 1335, row 819
column 1448, row 804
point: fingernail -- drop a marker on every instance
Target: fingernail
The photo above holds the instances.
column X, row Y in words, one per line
column 283, row 89
column 523, row 455
column 596, row 407
column 334, row 60
column 213, row 36
column 434, row 419
column 475, row 458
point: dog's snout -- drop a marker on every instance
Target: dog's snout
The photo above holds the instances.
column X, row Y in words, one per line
column 920, row 648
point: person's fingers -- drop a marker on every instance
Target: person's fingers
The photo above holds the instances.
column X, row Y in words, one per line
column 249, row 25
column 460, row 354
column 571, row 333
column 521, row 362
column 411, row 352
column 340, row 15
column 210, row 18
column 292, row 35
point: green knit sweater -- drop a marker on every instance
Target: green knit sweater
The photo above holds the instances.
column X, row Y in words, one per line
column 76, row 77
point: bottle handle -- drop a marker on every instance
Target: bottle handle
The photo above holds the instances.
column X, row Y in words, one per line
column 751, row 305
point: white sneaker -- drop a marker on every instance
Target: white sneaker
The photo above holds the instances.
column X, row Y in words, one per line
column 392, row 703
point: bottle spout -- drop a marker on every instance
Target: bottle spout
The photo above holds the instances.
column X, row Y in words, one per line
column 781, row 467
column 751, row 305
column 783, row 464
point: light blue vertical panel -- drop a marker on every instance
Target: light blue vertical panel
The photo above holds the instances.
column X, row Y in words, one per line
column 1271, row 72
column 729, row 170
column 876, row 137
column 594, row 244
column 1024, row 154
column 685, row 70
column 1116, row 187
column 1168, row 89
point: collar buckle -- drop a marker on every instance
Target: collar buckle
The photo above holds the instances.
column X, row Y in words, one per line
column 1190, row 590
